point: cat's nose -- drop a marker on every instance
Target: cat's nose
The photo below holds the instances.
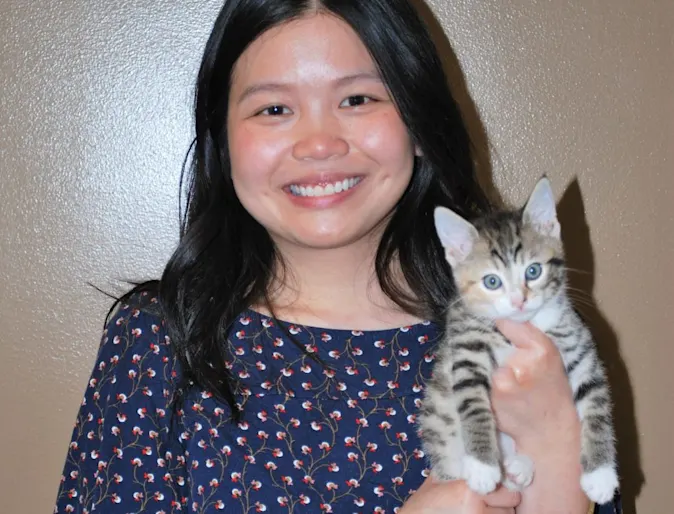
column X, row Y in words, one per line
column 517, row 301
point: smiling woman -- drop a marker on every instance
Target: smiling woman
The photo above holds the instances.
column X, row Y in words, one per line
column 278, row 364
column 319, row 153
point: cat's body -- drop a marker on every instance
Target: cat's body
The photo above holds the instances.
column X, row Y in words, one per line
column 509, row 265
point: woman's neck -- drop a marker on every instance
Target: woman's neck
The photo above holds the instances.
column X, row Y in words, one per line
column 334, row 288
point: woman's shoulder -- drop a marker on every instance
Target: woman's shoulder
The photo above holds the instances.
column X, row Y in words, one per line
column 135, row 343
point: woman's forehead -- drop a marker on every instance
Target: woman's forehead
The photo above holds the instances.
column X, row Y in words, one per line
column 312, row 49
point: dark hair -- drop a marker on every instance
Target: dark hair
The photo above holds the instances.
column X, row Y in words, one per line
column 225, row 260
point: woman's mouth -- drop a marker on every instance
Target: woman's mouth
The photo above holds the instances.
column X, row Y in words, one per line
column 324, row 189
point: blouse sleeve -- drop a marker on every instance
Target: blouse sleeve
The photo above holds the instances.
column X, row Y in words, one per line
column 121, row 456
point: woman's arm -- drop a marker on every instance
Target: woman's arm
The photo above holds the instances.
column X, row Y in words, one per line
column 120, row 457
column 533, row 402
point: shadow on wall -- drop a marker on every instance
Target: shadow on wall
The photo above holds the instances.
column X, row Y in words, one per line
column 580, row 258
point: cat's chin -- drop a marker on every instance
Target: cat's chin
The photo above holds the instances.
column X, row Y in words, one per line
column 519, row 316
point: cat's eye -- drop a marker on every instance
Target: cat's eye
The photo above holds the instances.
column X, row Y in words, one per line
column 533, row 271
column 492, row 282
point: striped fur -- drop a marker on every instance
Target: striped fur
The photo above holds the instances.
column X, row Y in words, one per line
column 456, row 422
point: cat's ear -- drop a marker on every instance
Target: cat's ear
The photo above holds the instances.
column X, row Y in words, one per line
column 540, row 211
column 456, row 234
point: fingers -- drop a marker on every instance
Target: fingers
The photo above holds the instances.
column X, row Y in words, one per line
column 503, row 497
column 505, row 379
column 525, row 336
column 521, row 335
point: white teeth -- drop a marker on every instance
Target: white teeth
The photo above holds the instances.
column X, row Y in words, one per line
column 327, row 190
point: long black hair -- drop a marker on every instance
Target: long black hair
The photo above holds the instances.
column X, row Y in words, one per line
column 225, row 260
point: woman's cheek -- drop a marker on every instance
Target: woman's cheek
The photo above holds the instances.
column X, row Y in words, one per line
column 255, row 153
column 386, row 140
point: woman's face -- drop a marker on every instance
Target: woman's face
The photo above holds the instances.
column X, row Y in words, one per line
column 319, row 153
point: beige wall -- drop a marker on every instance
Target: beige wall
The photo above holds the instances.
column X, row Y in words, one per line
column 95, row 120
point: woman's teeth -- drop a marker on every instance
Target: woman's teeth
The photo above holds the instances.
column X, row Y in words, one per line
column 328, row 189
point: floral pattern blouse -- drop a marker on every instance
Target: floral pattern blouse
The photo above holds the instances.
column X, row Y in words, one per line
column 314, row 438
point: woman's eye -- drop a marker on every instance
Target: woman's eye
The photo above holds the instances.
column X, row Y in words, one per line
column 492, row 282
column 274, row 110
column 533, row 271
column 355, row 101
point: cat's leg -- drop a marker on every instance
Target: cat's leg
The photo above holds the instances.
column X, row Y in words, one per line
column 597, row 440
column 440, row 431
column 519, row 469
column 471, row 371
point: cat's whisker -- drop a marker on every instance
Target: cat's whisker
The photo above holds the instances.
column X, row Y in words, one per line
column 576, row 270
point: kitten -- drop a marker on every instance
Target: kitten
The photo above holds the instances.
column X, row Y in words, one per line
column 509, row 265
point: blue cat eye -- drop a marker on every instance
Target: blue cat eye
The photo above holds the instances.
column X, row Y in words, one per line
column 492, row 282
column 533, row 271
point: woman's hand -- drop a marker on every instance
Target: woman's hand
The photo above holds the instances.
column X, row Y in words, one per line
column 531, row 394
column 455, row 498
column 533, row 403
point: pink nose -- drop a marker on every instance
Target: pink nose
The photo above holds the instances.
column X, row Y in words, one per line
column 517, row 302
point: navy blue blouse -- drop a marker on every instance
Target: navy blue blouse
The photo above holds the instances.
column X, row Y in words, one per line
column 336, row 438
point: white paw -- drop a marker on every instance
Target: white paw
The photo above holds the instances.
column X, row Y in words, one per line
column 480, row 477
column 519, row 471
column 600, row 484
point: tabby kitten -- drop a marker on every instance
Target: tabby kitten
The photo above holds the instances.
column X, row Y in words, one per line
column 509, row 265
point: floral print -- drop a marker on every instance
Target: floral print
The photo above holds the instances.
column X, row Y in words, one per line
column 328, row 424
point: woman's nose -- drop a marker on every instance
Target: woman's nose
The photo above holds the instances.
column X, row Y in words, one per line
column 320, row 139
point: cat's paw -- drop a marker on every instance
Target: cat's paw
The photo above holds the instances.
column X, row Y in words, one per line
column 519, row 472
column 600, row 485
column 480, row 477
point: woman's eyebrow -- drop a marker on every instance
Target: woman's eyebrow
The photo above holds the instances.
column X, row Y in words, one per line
column 275, row 87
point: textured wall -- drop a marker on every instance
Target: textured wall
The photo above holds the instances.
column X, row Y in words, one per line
column 95, row 120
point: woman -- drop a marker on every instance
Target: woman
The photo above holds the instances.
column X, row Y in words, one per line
column 326, row 135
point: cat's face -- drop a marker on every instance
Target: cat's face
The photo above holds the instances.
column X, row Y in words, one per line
column 507, row 265
column 511, row 272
